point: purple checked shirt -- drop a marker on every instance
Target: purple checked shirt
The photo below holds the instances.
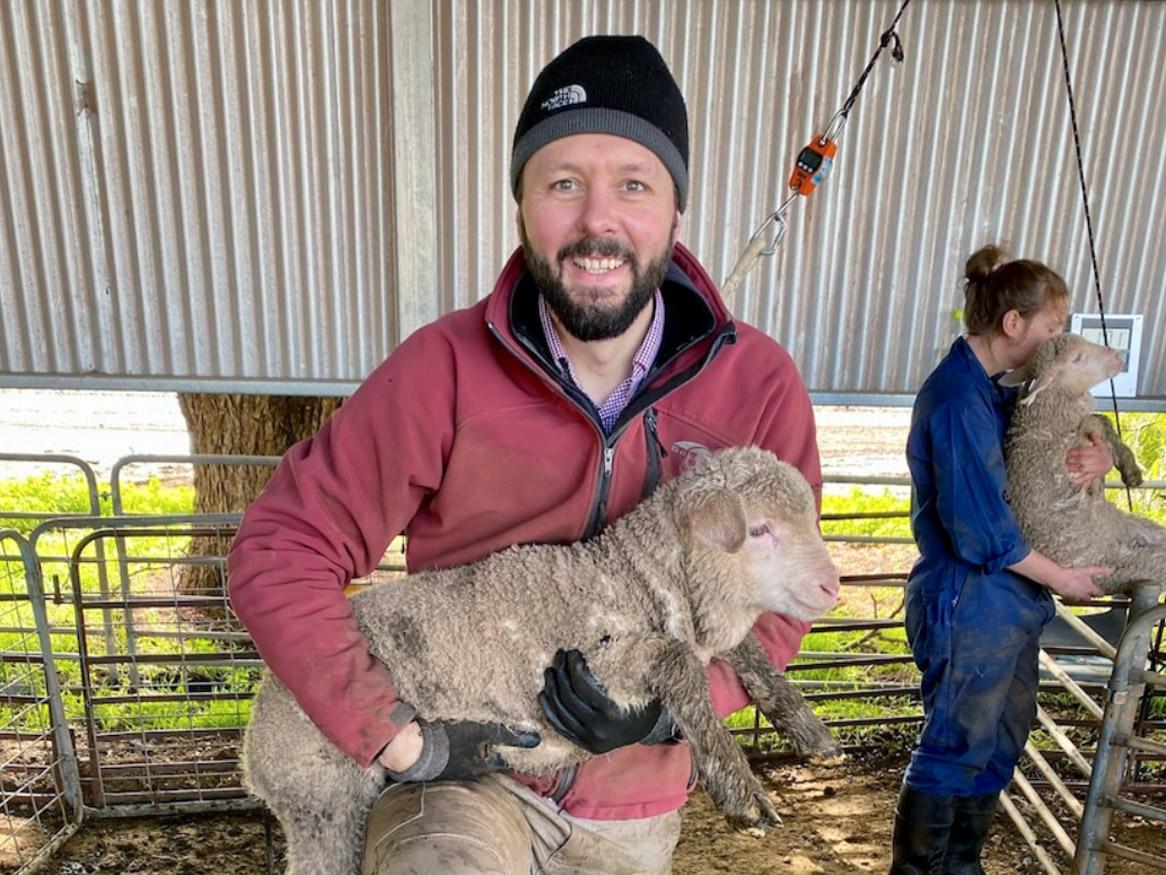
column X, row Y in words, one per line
column 614, row 404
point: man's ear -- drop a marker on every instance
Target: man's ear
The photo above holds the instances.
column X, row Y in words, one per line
column 719, row 518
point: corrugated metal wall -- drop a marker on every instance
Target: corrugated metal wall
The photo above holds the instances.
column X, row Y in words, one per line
column 217, row 202
column 194, row 189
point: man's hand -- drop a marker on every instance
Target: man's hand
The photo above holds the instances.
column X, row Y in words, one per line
column 578, row 706
column 450, row 750
column 404, row 750
column 1086, row 464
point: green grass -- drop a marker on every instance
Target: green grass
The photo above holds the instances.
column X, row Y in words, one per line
column 52, row 494
column 860, row 499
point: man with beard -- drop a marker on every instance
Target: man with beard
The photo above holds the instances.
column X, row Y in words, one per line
column 602, row 358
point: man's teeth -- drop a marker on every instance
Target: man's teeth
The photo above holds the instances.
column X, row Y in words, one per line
column 598, row 265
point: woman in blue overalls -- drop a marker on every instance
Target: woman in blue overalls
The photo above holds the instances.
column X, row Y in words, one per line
column 979, row 596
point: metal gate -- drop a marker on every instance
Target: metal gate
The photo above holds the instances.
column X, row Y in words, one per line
column 124, row 692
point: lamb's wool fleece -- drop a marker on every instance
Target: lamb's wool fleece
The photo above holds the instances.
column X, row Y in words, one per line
column 1075, row 527
column 675, row 581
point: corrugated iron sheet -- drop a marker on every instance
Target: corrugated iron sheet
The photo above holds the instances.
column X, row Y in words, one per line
column 227, row 211
column 195, row 190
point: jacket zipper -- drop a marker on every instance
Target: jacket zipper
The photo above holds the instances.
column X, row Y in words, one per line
column 655, row 450
column 599, row 506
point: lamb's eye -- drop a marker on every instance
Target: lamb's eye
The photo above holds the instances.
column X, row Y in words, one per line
column 758, row 531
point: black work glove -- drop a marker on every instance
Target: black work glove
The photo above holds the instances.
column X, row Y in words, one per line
column 461, row 750
column 576, row 704
column 666, row 731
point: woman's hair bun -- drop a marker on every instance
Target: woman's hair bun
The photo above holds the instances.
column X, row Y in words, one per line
column 983, row 261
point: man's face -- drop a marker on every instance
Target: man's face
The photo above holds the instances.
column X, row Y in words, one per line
column 597, row 220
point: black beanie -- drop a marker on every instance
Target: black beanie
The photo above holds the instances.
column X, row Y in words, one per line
column 607, row 85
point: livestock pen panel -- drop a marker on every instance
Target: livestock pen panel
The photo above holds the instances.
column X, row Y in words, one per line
column 39, row 791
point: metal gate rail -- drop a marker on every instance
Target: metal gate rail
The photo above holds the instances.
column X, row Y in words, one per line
column 164, row 704
column 40, row 792
column 1119, row 744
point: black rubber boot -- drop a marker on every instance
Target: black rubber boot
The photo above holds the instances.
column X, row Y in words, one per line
column 969, row 830
column 922, row 826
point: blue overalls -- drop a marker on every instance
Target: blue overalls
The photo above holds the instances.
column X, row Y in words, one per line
column 974, row 626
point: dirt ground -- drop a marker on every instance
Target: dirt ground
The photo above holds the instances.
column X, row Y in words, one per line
column 837, row 819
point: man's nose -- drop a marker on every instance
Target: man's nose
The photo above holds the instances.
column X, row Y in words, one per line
column 597, row 217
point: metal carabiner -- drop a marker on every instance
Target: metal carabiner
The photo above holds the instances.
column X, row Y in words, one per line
column 757, row 246
column 773, row 219
column 777, row 217
column 837, row 123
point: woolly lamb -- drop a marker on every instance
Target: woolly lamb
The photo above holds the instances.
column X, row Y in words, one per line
column 676, row 581
column 1075, row 527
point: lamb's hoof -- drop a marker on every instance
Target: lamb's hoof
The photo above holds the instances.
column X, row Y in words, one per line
column 820, row 749
column 757, row 817
column 836, row 758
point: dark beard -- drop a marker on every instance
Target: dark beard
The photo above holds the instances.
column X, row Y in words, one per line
column 591, row 321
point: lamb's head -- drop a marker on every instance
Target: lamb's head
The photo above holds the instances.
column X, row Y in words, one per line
column 1067, row 361
column 750, row 529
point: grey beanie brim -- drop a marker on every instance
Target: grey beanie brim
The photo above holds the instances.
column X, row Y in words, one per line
column 599, row 120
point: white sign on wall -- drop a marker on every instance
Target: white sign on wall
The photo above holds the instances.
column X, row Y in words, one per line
column 1124, row 332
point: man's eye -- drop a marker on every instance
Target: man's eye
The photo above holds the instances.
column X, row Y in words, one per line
column 758, row 531
column 633, row 185
column 563, row 185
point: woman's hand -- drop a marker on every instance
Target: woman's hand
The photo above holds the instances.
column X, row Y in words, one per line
column 1076, row 584
column 1085, row 464
column 1071, row 584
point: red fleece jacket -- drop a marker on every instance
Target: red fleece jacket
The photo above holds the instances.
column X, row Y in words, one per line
column 464, row 439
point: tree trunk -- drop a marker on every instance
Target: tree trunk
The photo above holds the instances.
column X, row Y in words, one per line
column 238, row 425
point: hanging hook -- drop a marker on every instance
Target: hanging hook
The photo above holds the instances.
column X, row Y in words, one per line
column 759, row 244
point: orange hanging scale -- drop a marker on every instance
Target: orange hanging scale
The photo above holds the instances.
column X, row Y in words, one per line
column 813, row 165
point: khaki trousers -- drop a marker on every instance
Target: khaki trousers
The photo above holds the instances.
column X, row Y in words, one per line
column 500, row 827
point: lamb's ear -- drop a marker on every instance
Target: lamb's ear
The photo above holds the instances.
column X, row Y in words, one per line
column 719, row 518
column 1046, row 379
column 1018, row 376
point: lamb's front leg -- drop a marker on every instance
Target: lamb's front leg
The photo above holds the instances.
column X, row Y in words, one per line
column 680, row 679
column 1123, row 457
column 780, row 701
